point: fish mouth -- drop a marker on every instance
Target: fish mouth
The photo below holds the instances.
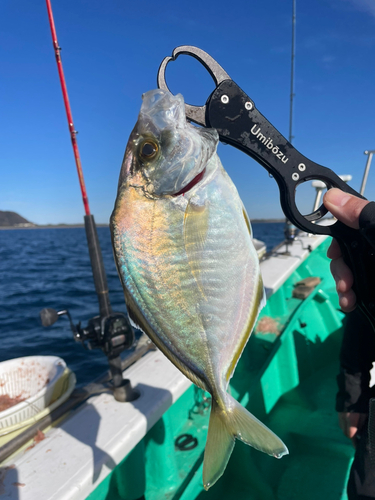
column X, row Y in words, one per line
column 192, row 183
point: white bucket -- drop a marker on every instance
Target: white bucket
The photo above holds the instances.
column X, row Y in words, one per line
column 38, row 381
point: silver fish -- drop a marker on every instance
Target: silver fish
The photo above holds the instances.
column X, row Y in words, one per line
column 191, row 276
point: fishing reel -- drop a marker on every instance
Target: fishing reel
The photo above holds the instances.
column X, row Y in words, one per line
column 290, row 231
column 290, row 234
column 112, row 334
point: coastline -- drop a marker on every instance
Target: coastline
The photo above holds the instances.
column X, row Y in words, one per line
column 73, row 226
column 267, row 221
column 51, row 226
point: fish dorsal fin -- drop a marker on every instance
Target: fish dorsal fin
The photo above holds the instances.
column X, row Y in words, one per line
column 196, row 223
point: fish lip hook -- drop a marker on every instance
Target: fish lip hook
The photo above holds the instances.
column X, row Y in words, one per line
column 196, row 114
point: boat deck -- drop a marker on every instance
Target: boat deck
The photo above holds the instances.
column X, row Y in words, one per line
column 286, row 377
column 319, row 459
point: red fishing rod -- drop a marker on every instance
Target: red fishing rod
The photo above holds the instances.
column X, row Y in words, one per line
column 110, row 331
column 100, row 279
column 73, row 132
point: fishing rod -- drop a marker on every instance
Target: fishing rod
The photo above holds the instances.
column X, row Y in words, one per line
column 290, row 231
column 110, row 331
column 100, row 278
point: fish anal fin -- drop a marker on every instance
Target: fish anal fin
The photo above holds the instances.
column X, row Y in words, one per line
column 259, row 303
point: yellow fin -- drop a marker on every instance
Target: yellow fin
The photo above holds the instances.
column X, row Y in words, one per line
column 196, row 221
column 259, row 303
column 234, row 423
column 252, row 431
column 219, row 447
column 247, row 220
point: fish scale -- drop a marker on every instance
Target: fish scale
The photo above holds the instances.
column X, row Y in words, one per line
column 155, row 295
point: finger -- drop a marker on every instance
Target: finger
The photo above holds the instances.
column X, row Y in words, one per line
column 352, row 431
column 342, row 275
column 344, row 206
column 334, row 250
column 347, row 301
column 343, row 423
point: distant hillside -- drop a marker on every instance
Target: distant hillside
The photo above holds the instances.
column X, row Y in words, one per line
column 258, row 221
column 12, row 219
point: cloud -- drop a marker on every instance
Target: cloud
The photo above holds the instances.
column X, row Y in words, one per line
column 367, row 6
column 328, row 59
column 280, row 49
column 319, row 42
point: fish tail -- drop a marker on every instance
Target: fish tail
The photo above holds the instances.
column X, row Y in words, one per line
column 226, row 425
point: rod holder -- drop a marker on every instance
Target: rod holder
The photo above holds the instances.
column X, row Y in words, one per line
column 122, row 388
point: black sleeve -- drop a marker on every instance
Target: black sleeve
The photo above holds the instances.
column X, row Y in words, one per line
column 367, row 222
column 356, row 358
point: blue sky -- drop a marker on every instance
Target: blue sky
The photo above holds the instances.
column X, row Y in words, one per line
column 111, row 52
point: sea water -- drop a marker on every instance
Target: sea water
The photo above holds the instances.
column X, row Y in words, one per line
column 51, row 268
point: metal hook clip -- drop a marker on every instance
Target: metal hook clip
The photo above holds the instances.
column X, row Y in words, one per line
column 196, row 114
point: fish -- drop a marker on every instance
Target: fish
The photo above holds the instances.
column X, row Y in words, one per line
column 191, row 276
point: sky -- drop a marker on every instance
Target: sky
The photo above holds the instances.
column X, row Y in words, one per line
column 111, row 52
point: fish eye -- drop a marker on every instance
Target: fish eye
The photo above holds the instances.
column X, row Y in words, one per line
column 149, row 149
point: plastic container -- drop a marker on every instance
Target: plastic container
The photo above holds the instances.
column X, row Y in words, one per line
column 39, row 381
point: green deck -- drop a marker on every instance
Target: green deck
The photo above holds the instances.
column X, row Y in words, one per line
column 289, row 382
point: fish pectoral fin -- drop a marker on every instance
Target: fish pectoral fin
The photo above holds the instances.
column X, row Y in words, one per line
column 235, row 423
column 196, row 224
column 196, row 220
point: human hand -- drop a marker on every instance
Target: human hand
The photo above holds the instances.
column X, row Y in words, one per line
column 346, row 208
column 351, row 424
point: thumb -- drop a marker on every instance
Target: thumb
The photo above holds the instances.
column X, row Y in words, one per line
column 345, row 207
